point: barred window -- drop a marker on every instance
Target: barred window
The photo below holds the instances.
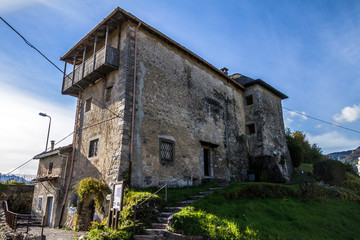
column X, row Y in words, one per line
column 93, row 148
column 166, row 150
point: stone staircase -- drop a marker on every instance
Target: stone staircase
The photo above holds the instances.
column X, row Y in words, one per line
column 159, row 229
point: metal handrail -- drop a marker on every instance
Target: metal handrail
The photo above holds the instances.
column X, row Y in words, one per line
column 166, row 197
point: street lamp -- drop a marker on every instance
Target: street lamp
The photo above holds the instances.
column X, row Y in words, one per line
column 47, row 139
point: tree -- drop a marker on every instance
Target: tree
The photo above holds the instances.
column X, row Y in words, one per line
column 301, row 151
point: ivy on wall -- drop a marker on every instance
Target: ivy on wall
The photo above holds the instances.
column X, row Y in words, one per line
column 89, row 187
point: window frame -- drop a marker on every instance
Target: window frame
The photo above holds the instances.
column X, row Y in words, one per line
column 108, row 93
column 250, row 129
column 39, row 206
column 170, row 142
column 88, row 104
column 249, row 100
column 93, row 140
column 51, row 166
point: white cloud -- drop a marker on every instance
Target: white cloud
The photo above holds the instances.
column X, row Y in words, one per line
column 333, row 142
column 348, row 114
column 301, row 115
column 14, row 5
column 23, row 131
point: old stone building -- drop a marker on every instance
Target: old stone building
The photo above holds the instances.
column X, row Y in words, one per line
column 150, row 111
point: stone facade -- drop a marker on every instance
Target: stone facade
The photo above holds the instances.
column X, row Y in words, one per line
column 50, row 184
column 184, row 122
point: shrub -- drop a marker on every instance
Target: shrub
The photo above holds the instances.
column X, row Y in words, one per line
column 330, row 171
column 261, row 190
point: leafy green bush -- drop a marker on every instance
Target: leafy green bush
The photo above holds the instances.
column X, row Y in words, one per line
column 210, row 226
column 330, row 171
column 352, row 182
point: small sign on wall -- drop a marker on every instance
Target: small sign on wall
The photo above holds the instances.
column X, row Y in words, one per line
column 117, row 196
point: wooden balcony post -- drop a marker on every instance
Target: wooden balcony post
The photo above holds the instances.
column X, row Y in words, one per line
column 106, row 39
column 64, row 77
column 94, row 58
column 83, row 65
column 119, row 37
column 73, row 75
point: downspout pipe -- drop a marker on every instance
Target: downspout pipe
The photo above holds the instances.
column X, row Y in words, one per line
column 72, row 156
column 133, row 105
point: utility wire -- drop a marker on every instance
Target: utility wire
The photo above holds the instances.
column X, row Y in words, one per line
column 92, row 125
column 317, row 119
column 32, row 46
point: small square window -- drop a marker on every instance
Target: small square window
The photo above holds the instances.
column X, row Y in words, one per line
column 39, row 204
column 88, row 104
column 166, row 151
column 108, row 91
column 93, row 148
column 50, row 167
column 249, row 100
column 250, row 129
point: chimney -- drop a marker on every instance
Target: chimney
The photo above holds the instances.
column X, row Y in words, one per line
column 52, row 142
column 224, row 70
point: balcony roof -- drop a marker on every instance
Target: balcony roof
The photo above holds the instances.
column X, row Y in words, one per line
column 119, row 16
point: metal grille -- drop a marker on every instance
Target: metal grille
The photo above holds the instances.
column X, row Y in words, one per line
column 166, row 151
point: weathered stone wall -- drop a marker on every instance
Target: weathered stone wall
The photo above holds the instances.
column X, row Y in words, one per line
column 267, row 146
column 183, row 101
column 53, row 188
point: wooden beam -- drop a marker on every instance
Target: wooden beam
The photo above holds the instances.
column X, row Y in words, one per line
column 94, row 58
column 83, row 65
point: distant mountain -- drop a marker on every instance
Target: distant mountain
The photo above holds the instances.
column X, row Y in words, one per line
column 339, row 155
column 4, row 178
column 353, row 158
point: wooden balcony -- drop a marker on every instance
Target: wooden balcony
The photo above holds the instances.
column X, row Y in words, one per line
column 104, row 61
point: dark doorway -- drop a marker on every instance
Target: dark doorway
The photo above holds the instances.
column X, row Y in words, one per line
column 206, row 162
column 49, row 206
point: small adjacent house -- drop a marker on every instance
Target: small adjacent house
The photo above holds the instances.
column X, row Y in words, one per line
column 151, row 111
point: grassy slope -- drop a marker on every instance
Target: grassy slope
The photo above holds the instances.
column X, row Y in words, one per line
column 225, row 215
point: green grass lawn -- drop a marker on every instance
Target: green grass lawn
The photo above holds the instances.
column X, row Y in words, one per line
column 271, row 212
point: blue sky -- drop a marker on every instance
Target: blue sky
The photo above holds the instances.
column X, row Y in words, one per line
column 308, row 50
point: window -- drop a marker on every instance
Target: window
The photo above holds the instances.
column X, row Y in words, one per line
column 166, row 151
column 39, row 204
column 50, row 167
column 88, row 104
column 93, row 148
column 250, row 129
column 249, row 100
column 108, row 93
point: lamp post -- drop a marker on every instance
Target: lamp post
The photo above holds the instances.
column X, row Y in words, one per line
column 47, row 139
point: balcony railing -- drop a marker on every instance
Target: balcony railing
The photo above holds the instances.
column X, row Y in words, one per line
column 104, row 61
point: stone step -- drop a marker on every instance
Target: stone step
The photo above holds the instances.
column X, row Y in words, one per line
column 144, row 237
column 174, row 209
column 196, row 197
column 162, row 219
column 215, row 188
column 206, row 192
column 166, row 214
column 156, row 232
column 186, row 203
column 159, row 225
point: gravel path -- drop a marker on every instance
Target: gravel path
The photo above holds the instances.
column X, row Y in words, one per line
column 56, row 234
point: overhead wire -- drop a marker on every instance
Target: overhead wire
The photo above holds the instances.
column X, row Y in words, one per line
column 317, row 119
column 52, row 63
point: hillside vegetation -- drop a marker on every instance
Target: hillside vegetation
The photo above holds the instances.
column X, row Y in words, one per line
column 274, row 211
